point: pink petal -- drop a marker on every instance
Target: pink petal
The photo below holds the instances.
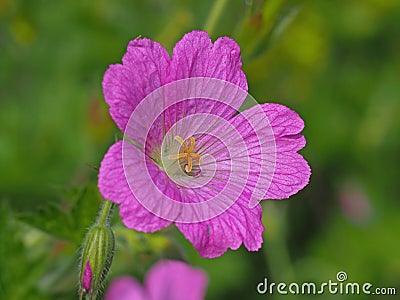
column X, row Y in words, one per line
column 125, row 288
column 175, row 280
column 113, row 186
column 239, row 224
column 145, row 67
column 292, row 172
column 87, row 277
column 151, row 186
column 259, row 150
column 196, row 56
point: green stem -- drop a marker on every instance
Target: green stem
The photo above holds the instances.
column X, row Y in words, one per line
column 214, row 15
column 276, row 250
column 105, row 213
column 270, row 12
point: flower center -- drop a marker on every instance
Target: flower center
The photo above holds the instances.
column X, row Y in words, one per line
column 186, row 155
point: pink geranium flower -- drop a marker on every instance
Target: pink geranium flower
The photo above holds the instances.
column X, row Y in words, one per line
column 166, row 280
column 247, row 156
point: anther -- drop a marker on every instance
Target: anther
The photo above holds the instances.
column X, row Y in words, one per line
column 187, row 147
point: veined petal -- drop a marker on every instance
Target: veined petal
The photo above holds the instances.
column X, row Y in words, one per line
column 125, row 288
column 111, row 178
column 292, row 172
column 175, row 280
column 259, row 149
column 196, row 56
column 272, row 136
column 114, row 186
column 145, row 67
column 239, row 224
column 228, row 52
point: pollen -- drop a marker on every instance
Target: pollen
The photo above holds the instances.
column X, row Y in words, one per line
column 186, row 153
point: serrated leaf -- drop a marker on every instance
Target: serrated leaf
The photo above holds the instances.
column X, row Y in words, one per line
column 63, row 220
column 52, row 219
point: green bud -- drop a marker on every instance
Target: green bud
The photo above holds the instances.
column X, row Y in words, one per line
column 97, row 255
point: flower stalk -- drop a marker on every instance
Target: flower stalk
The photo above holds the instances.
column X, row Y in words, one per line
column 214, row 16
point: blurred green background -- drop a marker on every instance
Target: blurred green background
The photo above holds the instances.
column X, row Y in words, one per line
column 335, row 62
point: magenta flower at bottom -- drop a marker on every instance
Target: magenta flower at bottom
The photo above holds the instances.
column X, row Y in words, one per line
column 189, row 157
column 166, row 280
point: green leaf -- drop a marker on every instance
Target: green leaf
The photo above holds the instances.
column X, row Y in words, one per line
column 64, row 221
column 16, row 282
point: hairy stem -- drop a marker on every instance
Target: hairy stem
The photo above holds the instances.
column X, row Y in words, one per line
column 105, row 213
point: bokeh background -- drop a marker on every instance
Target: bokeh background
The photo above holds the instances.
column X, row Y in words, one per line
column 335, row 62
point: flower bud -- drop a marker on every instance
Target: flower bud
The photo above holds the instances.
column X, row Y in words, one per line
column 97, row 255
